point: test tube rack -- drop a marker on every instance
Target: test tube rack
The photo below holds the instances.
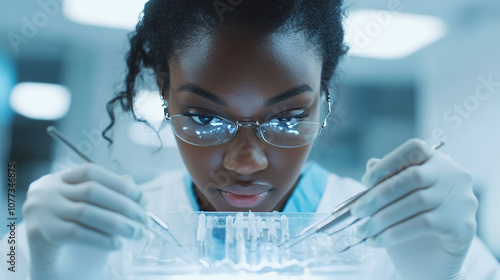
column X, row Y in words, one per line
column 240, row 241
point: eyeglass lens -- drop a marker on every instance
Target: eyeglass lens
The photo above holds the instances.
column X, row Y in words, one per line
column 209, row 130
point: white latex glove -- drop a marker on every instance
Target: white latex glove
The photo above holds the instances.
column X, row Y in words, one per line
column 422, row 211
column 75, row 218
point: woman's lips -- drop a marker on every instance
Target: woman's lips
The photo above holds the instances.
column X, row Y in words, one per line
column 245, row 196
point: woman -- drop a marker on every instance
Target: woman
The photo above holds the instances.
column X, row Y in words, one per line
column 245, row 87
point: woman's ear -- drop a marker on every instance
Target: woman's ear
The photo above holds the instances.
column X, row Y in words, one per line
column 162, row 87
column 163, row 94
column 159, row 80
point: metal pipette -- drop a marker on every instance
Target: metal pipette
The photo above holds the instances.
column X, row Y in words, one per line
column 339, row 214
column 54, row 133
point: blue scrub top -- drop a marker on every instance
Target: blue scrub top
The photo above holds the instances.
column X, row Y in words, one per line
column 305, row 197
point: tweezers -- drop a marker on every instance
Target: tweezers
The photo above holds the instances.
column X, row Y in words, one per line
column 54, row 133
column 338, row 215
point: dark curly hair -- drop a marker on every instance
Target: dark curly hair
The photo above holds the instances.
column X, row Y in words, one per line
column 167, row 25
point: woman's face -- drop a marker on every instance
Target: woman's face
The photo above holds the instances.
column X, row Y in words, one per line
column 239, row 77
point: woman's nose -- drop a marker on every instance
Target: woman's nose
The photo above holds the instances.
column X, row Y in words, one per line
column 245, row 153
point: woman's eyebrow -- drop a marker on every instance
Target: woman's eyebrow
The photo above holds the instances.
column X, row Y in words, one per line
column 289, row 94
column 190, row 87
column 201, row 92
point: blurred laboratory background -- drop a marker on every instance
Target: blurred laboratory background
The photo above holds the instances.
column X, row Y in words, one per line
column 428, row 69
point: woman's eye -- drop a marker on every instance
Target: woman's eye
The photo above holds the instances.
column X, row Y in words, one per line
column 202, row 119
column 292, row 118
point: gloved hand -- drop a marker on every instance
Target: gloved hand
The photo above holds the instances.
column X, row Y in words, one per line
column 75, row 218
column 422, row 210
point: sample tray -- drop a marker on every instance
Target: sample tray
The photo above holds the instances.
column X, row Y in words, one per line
column 223, row 244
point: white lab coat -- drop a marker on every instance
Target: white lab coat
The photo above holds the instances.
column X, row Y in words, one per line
column 170, row 192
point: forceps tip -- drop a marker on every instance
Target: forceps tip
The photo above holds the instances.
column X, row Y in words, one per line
column 438, row 145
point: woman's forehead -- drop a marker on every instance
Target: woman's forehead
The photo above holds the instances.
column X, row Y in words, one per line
column 228, row 62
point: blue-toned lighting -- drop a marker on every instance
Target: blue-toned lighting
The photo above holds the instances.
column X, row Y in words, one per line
column 40, row 101
column 106, row 13
column 385, row 34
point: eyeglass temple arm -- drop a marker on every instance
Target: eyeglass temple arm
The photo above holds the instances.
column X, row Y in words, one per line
column 165, row 108
column 328, row 100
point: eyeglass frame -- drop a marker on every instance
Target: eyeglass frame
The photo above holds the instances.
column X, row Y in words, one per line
column 255, row 124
